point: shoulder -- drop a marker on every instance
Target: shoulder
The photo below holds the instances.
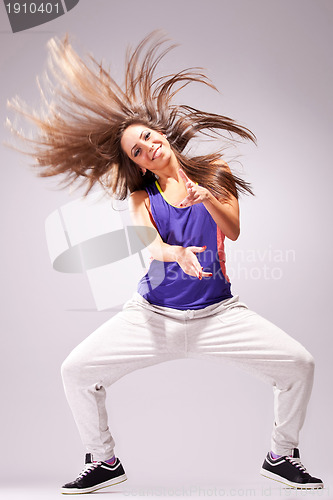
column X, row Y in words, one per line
column 138, row 196
column 138, row 199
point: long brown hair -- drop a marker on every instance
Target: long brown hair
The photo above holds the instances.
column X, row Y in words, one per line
column 80, row 130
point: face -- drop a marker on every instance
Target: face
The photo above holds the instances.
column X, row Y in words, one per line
column 149, row 149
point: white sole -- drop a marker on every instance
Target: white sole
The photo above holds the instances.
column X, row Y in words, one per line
column 111, row 482
column 279, row 479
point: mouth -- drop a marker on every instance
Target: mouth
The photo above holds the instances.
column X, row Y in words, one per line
column 157, row 152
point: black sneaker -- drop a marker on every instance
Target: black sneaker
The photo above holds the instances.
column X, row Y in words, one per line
column 289, row 470
column 94, row 476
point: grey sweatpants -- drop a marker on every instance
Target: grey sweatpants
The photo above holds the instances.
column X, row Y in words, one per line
column 143, row 334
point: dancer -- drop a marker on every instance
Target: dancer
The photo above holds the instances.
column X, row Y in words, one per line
column 134, row 142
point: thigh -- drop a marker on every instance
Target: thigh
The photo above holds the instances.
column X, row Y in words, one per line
column 244, row 337
column 133, row 338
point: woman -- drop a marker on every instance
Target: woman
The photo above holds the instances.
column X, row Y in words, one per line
column 134, row 141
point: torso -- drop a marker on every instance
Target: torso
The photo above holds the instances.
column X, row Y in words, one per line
column 165, row 283
column 174, row 192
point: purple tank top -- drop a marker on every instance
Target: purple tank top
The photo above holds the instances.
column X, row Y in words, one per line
column 165, row 283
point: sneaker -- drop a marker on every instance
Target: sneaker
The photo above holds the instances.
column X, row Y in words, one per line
column 290, row 471
column 94, row 476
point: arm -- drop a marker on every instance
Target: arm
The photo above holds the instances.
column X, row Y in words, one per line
column 224, row 212
column 185, row 257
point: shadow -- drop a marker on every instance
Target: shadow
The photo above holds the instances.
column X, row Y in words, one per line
column 112, row 309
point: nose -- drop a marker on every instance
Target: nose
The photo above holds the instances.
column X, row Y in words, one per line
column 149, row 146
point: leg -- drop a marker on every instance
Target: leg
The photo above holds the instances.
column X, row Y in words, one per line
column 133, row 339
column 243, row 337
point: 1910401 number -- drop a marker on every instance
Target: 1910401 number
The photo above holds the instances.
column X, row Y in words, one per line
column 32, row 8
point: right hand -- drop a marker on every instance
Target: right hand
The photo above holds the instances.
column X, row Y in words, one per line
column 189, row 263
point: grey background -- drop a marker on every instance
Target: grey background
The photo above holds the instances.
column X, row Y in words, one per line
column 184, row 420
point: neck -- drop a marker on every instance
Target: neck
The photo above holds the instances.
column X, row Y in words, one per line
column 170, row 171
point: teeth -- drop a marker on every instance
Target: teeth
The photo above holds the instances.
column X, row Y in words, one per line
column 155, row 152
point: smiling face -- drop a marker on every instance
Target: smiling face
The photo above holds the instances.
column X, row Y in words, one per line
column 149, row 149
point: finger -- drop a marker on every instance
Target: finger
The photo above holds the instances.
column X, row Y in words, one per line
column 186, row 201
column 184, row 176
column 188, row 183
column 194, row 270
column 203, row 274
column 198, row 271
column 206, row 275
column 197, row 249
column 190, row 186
column 195, row 198
column 191, row 199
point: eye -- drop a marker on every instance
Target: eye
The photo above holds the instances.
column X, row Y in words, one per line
column 136, row 152
column 147, row 135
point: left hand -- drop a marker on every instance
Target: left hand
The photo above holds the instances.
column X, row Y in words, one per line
column 196, row 194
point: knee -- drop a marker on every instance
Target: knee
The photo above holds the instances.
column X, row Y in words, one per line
column 65, row 369
column 305, row 364
column 70, row 368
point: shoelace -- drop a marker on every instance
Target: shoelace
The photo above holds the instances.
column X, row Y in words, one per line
column 88, row 468
column 297, row 463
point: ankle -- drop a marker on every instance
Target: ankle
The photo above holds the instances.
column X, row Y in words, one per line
column 274, row 455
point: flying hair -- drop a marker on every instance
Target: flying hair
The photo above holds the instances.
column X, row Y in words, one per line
column 80, row 128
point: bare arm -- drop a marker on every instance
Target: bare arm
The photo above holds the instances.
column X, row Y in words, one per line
column 185, row 257
column 225, row 214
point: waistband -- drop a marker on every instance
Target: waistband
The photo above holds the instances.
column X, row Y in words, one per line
column 216, row 308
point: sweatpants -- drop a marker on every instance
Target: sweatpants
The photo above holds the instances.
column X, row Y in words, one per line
column 143, row 334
